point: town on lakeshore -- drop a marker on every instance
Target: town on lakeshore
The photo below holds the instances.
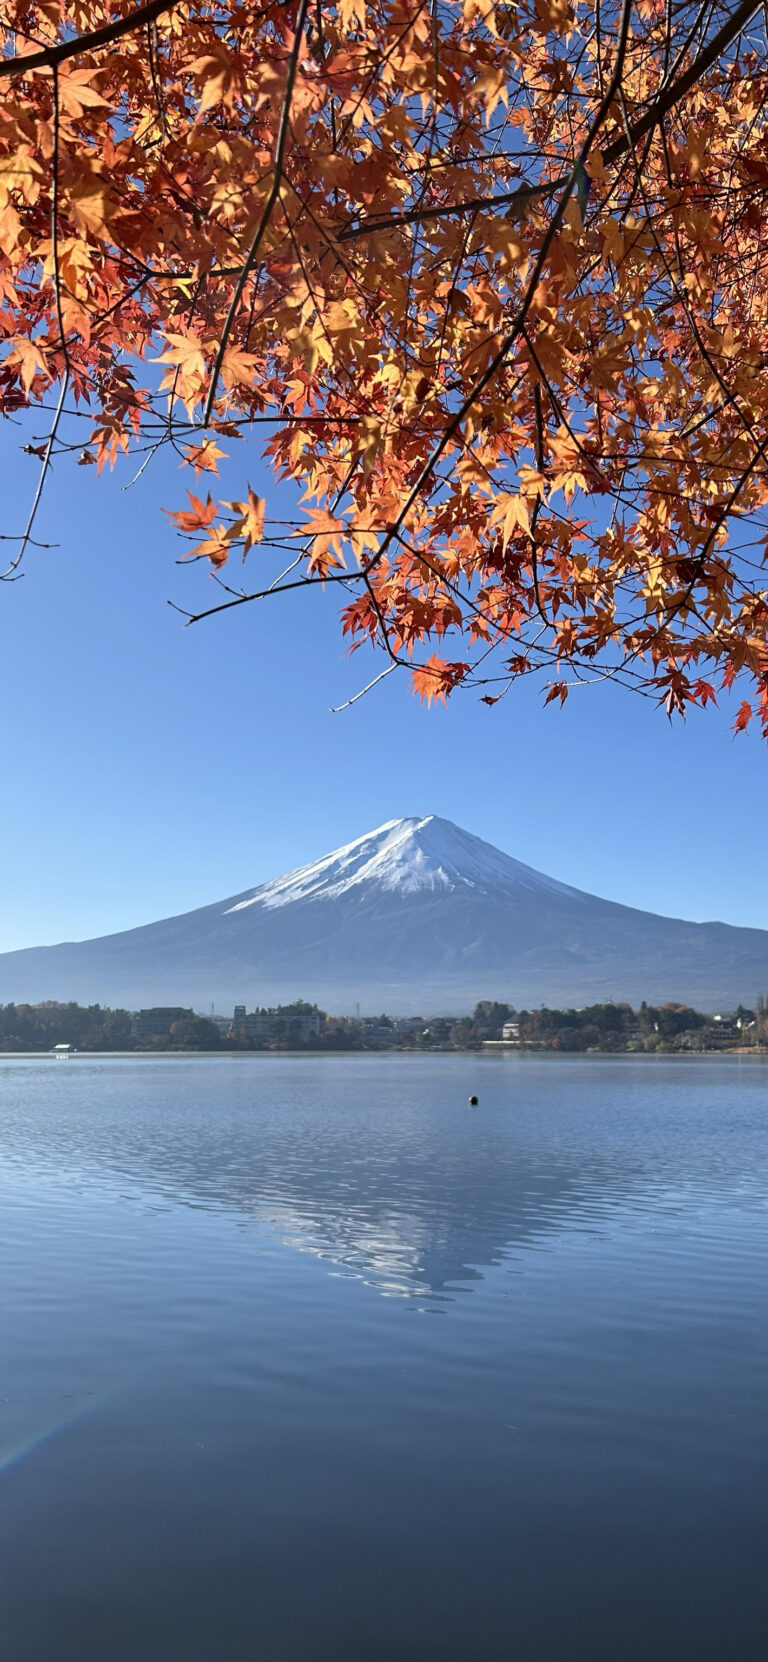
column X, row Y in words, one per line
column 492, row 1026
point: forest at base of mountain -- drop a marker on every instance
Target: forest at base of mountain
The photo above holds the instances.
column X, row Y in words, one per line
column 609, row 1027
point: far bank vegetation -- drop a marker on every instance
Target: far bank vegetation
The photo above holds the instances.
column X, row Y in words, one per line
column 608, row 1027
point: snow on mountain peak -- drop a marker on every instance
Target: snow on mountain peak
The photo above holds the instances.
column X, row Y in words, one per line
column 402, row 857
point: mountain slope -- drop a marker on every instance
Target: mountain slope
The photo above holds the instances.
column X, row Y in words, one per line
column 417, row 916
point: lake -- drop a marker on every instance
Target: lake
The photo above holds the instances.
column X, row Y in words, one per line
column 305, row 1360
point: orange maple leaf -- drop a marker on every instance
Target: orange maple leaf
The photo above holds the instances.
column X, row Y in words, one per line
column 431, row 680
column 250, row 520
column 194, row 518
column 28, row 355
column 203, row 457
column 237, row 367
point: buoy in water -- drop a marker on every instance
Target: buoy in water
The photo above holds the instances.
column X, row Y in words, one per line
column 473, row 1101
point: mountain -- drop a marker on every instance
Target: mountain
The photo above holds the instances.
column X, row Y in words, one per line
column 416, row 917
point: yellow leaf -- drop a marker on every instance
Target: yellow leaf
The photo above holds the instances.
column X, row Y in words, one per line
column 185, row 352
column 238, row 367
column 20, row 172
column 352, row 14
column 89, row 201
column 203, row 457
column 511, row 513
column 613, row 241
column 217, row 75
column 491, row 83
column 76, row 93
column 250, row 520
column 28, row 355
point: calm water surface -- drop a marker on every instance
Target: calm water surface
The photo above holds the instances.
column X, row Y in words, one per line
column 304, row 1360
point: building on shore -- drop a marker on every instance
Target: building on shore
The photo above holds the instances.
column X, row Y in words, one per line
column 287, row 1023
column 157, row 1022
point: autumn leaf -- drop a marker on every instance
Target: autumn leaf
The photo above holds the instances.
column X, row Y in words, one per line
column 196, row 516
column 215, row 547
column 20, row 171
column 558, row 689
column 109, row 437
column 77, row 94
column 249, row 523
column 511, row 513
column 27, row 354
column 237, row 366
column 90, row 202
column 352, row 14
column 216, row 71
column 184, row 352
column 428, row 680
column 204, row 458
column 326, row 534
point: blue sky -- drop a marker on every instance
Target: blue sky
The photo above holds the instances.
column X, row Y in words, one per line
column 148, row 769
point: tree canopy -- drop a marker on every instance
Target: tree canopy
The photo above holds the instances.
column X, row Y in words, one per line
column 490, row 280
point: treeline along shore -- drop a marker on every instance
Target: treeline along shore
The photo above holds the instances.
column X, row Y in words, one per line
column 301, row 1026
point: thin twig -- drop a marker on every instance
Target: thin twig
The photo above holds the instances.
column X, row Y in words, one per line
column 335, row 709
column 12, row 573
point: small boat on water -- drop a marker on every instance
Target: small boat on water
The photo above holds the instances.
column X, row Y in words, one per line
column 62, row 1052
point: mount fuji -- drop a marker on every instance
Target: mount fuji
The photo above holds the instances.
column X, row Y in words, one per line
column 416, row 917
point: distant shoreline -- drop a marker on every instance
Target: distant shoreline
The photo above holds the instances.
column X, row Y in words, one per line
column 394, row 1052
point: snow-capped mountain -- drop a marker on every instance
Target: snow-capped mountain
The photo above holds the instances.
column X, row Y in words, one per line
column 405, row 857
column 417, row 916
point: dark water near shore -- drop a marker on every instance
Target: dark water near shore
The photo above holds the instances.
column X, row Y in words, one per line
column 304, row 1360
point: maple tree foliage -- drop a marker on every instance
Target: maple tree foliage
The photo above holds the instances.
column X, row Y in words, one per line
column 488, row 277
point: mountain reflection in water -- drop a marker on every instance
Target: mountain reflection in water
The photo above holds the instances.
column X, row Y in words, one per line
column 218, row 1440
column 378, row 1164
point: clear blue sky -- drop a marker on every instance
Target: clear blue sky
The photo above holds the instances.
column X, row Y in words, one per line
column 148, row 769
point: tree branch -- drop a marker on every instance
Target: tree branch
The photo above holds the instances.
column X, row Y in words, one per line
column 637, row 129
column 677, row 90
column 50, row 55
